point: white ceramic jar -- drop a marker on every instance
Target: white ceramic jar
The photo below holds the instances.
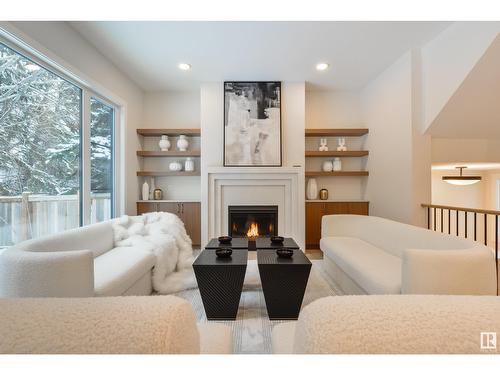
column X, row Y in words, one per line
column 327, row 166
column 145, row 191
column 164, row 143
column 182, row 143
column 189, row 165
column 175, row 166
column 337, row 164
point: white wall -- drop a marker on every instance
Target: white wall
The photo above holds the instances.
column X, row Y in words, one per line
column 451, row 150
column 60, row 42
column 387, row 104
column 469, row 196
column 172, row 110
column 337, row 109
column 447, row 60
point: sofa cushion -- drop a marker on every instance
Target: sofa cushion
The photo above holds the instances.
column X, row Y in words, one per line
column 376, row 271
column 118, row 269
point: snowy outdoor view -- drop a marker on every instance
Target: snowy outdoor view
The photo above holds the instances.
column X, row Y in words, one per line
column 40, row 152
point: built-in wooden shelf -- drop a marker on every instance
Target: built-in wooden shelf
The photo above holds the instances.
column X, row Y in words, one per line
column 167, row 173
column 335, row 132
column 336, row 174
column 168, row 153
column 336, row 153
column 172, row 132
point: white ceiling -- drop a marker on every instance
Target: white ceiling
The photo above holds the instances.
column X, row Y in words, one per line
column 148, row 52
column 474, row 109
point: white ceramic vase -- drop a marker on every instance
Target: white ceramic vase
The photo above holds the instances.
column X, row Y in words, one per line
column 327, row 166
column 312, row 189
column 337, row 164
column 189, row 165
column 164, row 143
column 145, row 191
column 182, row 143
column 175, row 166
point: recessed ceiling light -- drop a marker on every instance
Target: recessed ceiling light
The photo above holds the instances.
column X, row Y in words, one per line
column 322, row 66
column 184, row 66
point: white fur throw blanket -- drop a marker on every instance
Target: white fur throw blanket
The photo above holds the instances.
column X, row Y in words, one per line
column 164, row 235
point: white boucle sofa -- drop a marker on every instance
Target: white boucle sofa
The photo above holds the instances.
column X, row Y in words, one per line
column 81, row 262
column 372, row 255
column 107, row 325
column 391, row 324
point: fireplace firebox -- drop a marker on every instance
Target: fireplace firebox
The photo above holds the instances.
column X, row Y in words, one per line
column 243, row 220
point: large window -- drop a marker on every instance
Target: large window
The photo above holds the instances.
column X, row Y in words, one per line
column 43, row 161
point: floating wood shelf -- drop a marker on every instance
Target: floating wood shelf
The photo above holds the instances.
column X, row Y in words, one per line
column 167, row 173
column 172, row 132
column 336, row 174
column 335, row 132
column 336, row 153
column 167, row 153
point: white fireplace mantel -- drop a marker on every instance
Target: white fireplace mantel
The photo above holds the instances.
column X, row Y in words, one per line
column 225, row 186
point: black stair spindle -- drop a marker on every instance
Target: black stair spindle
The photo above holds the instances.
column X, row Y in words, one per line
column 449, row 221
column 434, row 209
column 486, row 229
column 457, row 222
column 475, row 226
column 441, row 220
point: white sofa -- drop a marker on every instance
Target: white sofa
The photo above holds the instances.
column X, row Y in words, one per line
column 372, row 255
column 81, row 262
column 107, row 325
column 391, row 324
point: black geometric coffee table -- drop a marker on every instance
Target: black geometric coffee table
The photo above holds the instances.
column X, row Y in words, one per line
column 220, row 281
column 284, row 282
column 262, row 243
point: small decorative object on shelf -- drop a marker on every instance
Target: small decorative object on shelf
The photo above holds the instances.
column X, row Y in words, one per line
column 164, row 143
column 341, row 146
column 327, row 166
column 225, row 239
column 323, row 194
column 189, row 165
column 145, row 191
column 323, row 144
column 175, row 166
column 337, row 164
column 182, row 143
column 285, row 253
column 312, row 189
column 223, row 252
column 276, row 240
column 157, row 194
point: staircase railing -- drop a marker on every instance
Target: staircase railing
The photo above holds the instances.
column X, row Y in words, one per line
column 467, row 222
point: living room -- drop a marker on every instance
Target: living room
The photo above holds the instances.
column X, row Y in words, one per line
column 264, row 185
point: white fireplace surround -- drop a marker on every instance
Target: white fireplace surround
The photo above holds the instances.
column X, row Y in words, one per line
column 227, row 186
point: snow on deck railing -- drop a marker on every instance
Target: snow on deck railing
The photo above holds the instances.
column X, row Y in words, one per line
column 33, row 215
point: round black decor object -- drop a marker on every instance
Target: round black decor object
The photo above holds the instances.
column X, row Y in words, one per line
column 223, row 252
column 277, row 239
column 285, row 253
column 225, row 239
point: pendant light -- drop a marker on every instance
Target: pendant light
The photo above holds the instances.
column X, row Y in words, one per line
column 461, row 180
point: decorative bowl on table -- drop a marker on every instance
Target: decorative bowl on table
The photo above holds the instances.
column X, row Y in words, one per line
column 223, row 252
column 225, row 239
column 277, row 240
column 285, row 253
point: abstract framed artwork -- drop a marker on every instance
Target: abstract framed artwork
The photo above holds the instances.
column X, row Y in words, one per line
column 252, row 124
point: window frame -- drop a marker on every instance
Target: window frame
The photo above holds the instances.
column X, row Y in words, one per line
column 28, row 52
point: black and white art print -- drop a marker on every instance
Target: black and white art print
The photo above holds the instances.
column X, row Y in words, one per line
column 252, row 124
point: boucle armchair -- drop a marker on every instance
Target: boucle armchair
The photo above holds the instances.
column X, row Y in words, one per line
column 107, row 325
column 391, row 324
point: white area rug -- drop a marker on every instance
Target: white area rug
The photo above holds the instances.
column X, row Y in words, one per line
column 252, row 327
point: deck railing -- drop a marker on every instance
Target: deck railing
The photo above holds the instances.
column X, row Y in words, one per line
column 30, row 216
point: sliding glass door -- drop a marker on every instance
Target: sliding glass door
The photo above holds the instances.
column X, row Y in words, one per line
column 56, row 148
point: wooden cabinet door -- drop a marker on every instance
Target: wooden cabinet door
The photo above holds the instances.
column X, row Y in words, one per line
column 314, row 213
column 145, row 207
column 173, row 208
column 191, row 216
column 346, row 208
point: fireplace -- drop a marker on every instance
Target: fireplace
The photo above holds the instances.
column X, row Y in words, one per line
column 250, row 219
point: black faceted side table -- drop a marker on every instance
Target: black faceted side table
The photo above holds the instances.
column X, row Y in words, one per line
column 220, row 281
column 284, row 282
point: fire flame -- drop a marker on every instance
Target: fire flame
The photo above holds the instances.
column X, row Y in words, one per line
column 253, row 231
